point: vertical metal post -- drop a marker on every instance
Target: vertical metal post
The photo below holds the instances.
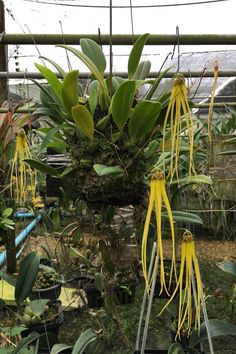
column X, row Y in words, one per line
column 3, row 57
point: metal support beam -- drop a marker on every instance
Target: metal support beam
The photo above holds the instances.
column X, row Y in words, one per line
column 3, row 60
column 120, row 39
column 86, row 75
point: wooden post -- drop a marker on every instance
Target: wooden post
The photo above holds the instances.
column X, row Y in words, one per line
column 3, row 58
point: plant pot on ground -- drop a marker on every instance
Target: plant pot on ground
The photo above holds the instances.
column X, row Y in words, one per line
column 47, row 285
column 44, row 317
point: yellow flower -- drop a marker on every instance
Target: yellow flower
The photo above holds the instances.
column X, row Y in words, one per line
column 156, row 197
column 22, row 178
column 37, row 202
column 189, row 273
column 178, row 112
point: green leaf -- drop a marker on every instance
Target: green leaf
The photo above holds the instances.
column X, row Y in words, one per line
column 37, row 306
column 143, row 118
column 182, row 216
column 103, row 170
column 12, row 331
column 99, row 281
column 106, row 257
column 70, row 90
column 8, row 278
column 176, row 348
column 217, row 328
column 193, row 180
column 229, row 267
column 92, row 67
column 26, row 341
column 122, row 102
column 117, row 81
column 26, row 276
column 57, row 348
column 50, row 136
column 47, row 221
column 85, row 339
column 94, row 52
column 43, row 167
column 57, row 66
column 93, row 95
column 135, row 54
column 227, row 152
column 83, row 120
column 151, row 149
column 7, row 212
column 142, row 71
column 52, row 79
column 102, row 123
column 155, row 85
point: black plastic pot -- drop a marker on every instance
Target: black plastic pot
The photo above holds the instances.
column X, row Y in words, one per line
column 52, row 293
column 94, row 297
column 125, row 294
column 48, row 330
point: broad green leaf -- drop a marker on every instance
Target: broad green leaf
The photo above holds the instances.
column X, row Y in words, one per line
column 43, row 167
column 176, row 348
column 26, row 277
column 26, row 341
column 83, row 120
column 99, row 281
column 135, row 54
column 7, row 212
column 93, row 95
column 12, row 331
column 103, row 170
column 70, row 90
column 92, row 67
column 217, row 328
column 8, row 350
column 122, row 102
column 229, row 267
column 142, row 71
column 57, row 66
column 151, row 149
column 94, row 52
column 85, row 339
column 193, row 180
column 58, row 348
column 52, row 79
column 117, row 81
column 143, row 118
column 182, row 216
column 37, row 306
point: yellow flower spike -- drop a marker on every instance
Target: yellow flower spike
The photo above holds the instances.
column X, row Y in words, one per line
column 22, row 178
column 189, row 271
column 215, row 84
column 157, row 196
column 178, row 110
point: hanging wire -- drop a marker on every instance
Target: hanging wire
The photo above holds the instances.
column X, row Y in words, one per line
column 67, row 56
column 131, row 19
column 125, row 6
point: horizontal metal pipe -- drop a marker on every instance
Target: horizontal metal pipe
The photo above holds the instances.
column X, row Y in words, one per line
column 119, row 39
column 200, row 105
column 85, row 75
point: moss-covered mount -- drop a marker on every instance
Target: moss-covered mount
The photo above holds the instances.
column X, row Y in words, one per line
column 108, row 189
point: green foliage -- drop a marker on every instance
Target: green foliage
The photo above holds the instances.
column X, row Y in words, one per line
column 70, row 90
column 5, row 222
column 94, row 53
column 122, row 102
column 135, row 55
column 83, row 120
column 85, row 339
column 52, row 79
column 26, row 277
column 103, row 170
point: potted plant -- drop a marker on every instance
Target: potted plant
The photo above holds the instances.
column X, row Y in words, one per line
column 43, row 317
column 47, row 284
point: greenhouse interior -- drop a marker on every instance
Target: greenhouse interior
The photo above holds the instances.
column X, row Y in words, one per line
column 118, row 177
